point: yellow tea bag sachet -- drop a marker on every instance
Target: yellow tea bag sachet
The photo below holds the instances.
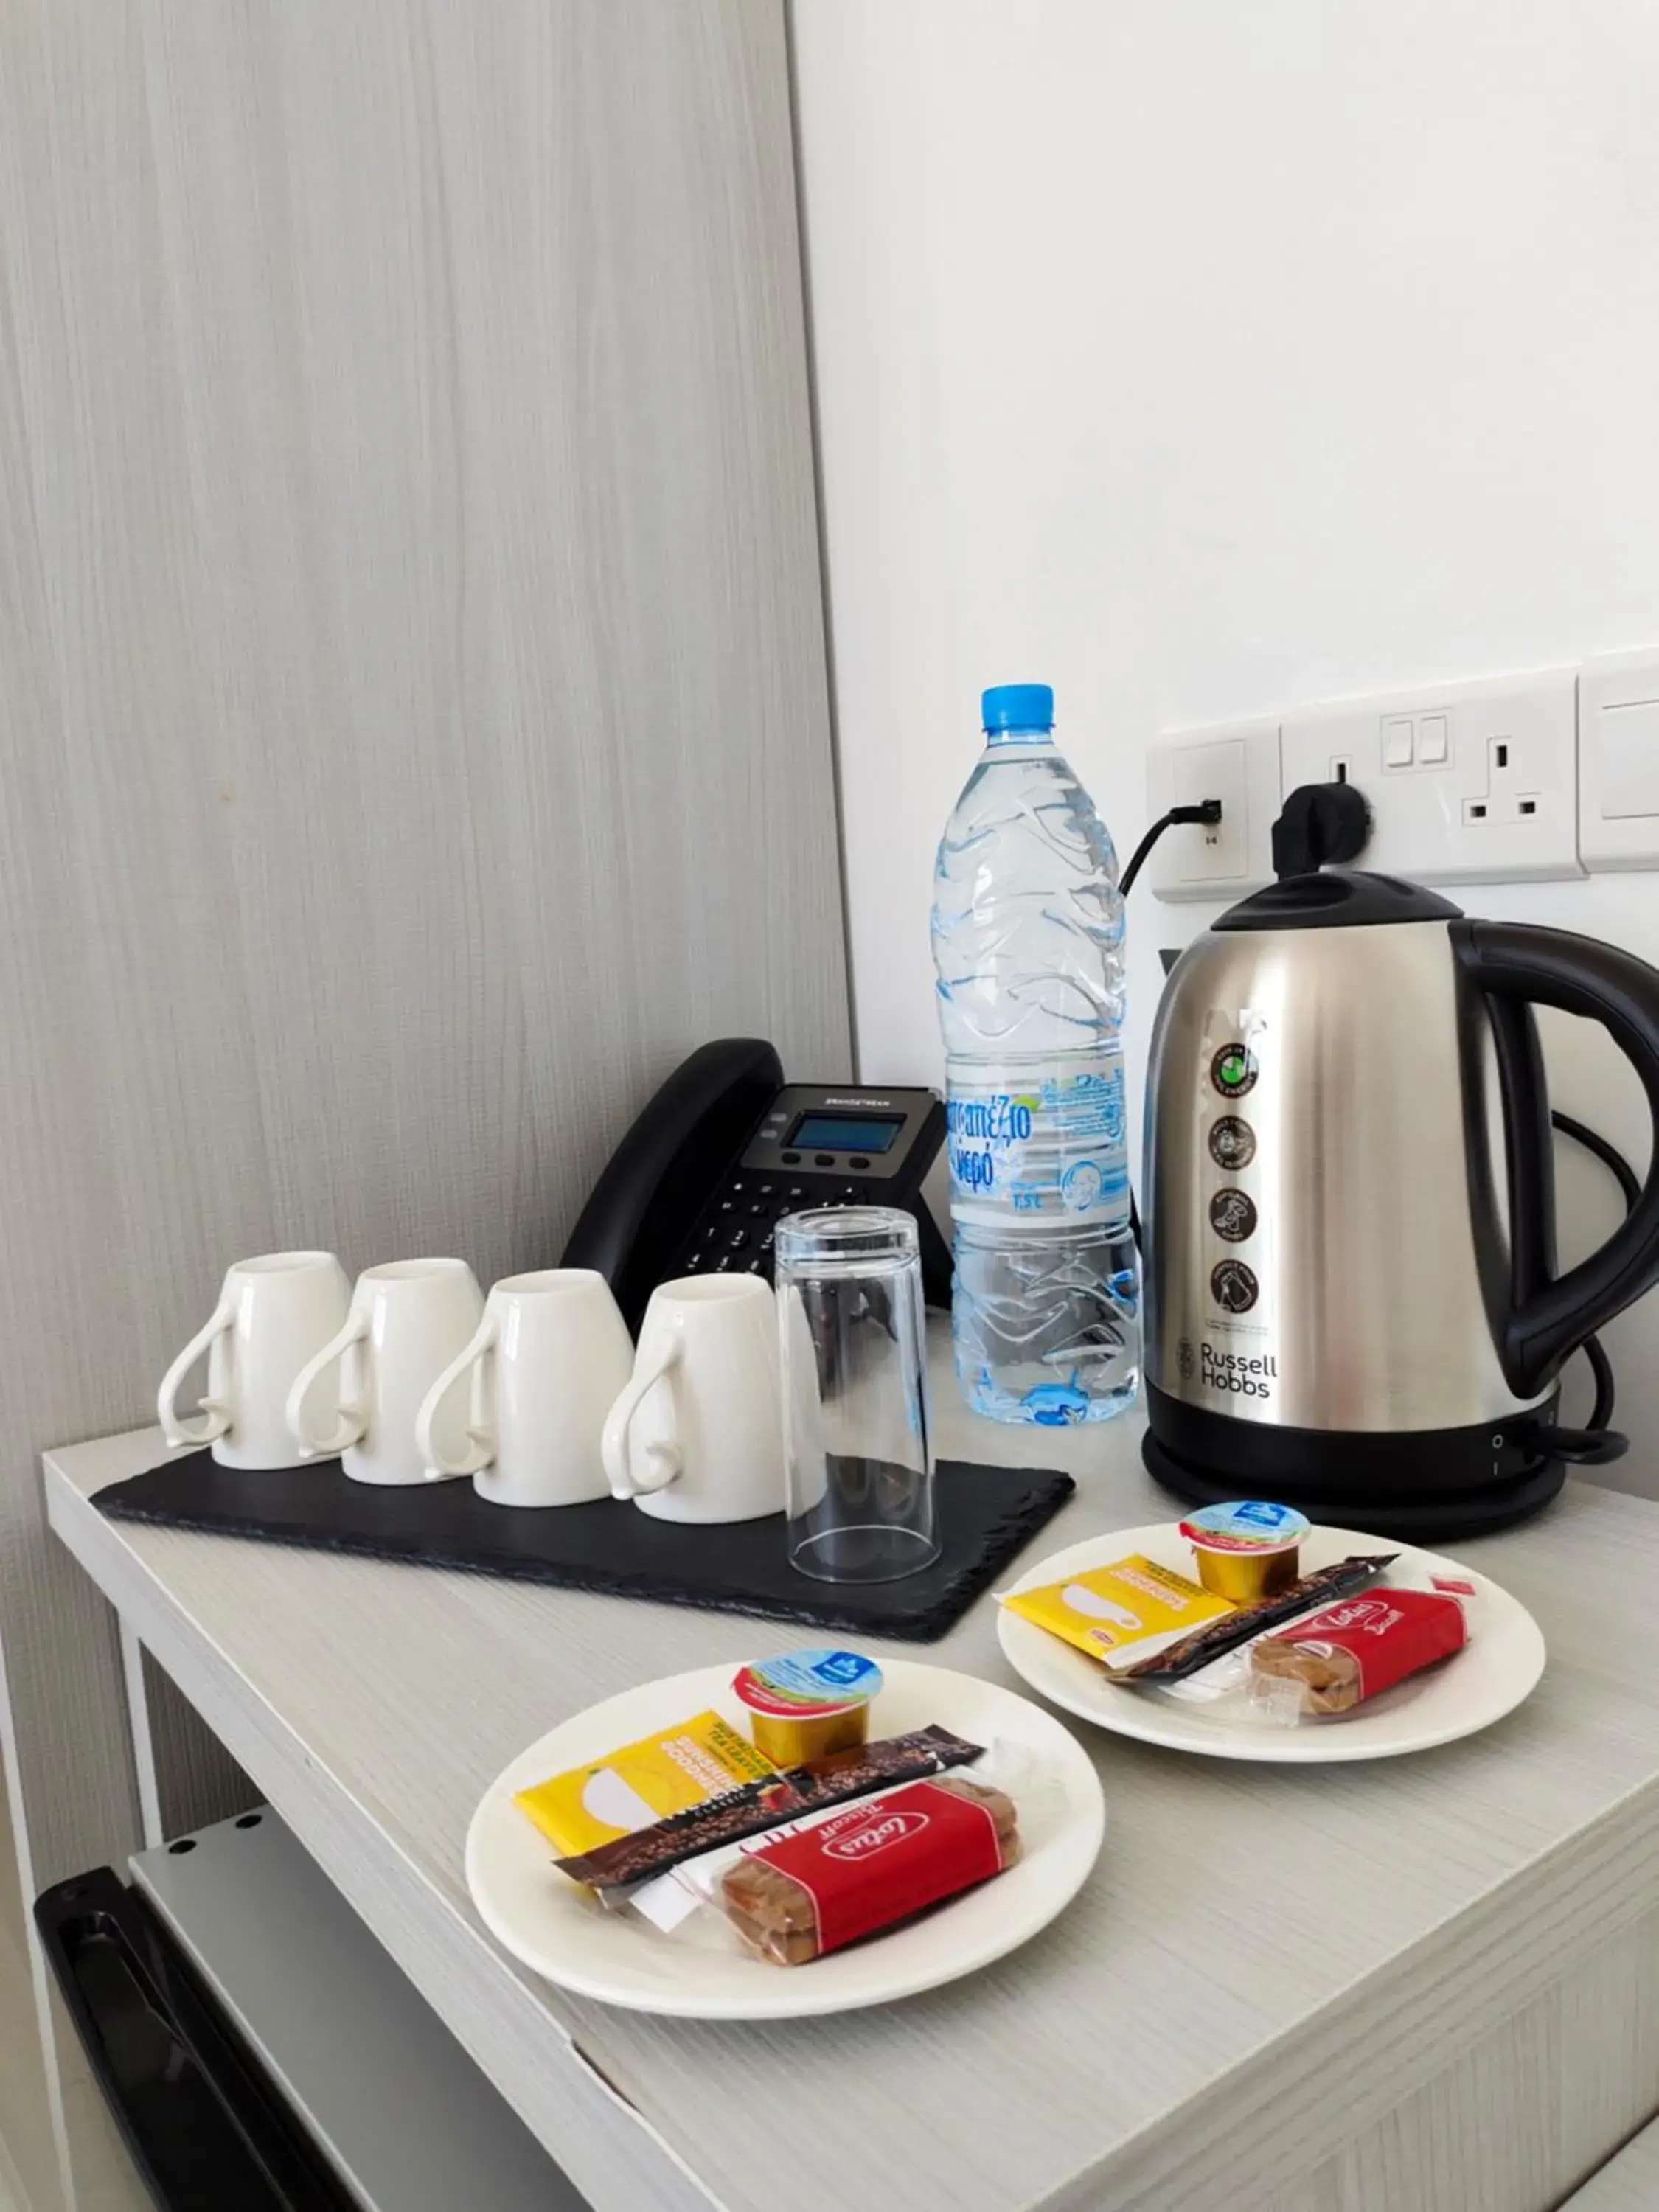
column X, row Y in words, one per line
column 643, row 1783
column 1103, row 1610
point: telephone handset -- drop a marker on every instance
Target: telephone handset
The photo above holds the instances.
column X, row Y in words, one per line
column 726, row 1147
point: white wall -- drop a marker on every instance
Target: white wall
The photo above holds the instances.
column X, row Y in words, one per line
column 1203, row 360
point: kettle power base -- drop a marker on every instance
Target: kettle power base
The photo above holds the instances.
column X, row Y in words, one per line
column 1426, row 1486
column 987, row 1515
column 1446, row 1517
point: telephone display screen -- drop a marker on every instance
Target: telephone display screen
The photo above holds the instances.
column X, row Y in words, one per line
column 845, row 1132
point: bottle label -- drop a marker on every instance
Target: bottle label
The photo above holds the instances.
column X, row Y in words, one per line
column 1051, row 1150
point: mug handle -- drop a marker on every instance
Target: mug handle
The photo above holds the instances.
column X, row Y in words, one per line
column 613, row 1447
column 354, row 1420
column 438, row 1468
column 173, row 1428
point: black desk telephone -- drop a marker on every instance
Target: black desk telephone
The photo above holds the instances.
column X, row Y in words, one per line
column 725, row 1147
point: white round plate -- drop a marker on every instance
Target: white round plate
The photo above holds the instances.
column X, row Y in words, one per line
column 1498, row 1667
column 557, row 1928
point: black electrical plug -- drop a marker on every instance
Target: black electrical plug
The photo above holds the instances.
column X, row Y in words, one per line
column 1321, row 823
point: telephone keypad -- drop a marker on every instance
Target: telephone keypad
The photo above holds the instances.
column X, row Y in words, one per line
column 745, row 1244
column 736, row 1231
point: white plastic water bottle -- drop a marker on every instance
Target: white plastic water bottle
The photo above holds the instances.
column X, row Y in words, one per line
column 1028, row 941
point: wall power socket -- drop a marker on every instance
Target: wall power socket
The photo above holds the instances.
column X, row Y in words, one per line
column 1511, row 794
column 1468, row 783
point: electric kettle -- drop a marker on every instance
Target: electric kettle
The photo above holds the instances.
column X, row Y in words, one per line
column 1351, row 1296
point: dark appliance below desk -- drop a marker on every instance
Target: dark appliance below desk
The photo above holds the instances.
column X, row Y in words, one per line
column 262, row 2051
column 207, row 2129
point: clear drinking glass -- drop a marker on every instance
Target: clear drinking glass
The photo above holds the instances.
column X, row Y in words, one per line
column 858, row 1441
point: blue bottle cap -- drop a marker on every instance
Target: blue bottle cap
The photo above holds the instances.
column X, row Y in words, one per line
column 1023, row 709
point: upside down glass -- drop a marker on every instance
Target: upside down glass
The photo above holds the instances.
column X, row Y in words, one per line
column 858, row 1443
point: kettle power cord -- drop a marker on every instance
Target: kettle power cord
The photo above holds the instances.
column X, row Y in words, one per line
column 1601, row 1442
column 1609, row 1154
column 1207, row 811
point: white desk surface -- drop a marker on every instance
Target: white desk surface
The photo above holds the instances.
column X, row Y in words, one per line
column 1381, row 1922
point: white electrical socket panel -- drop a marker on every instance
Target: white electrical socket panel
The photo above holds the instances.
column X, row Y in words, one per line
column 1466, row 783
column 1238, row 764
column 1619, row 761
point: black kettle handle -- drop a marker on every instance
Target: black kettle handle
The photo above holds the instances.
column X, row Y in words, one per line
column 1514, row 961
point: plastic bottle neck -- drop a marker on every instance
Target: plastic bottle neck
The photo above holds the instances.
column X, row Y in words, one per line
column 1022, row 741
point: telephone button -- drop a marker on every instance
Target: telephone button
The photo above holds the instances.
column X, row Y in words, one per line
column 765, row 1189
column 766, row 1241
column 694, row 1259
column 796, row 1190
column 723, row 1263
column 790, row 1159
column 849, row 1190
column 737, row 1239
column 728, row 1206
column 858, row 1160
column 824, row 1160
column 711, row 1232
column 761, row 1210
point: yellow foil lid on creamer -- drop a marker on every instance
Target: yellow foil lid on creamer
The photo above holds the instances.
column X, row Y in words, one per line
column 643, row 1783
column 1104, row 1609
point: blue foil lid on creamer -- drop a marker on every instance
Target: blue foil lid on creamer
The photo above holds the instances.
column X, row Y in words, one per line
column 806, row 1704
column 811, row 1681
column 1244, row 1524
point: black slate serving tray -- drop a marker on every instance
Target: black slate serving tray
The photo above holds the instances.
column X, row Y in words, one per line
column 987, row 1515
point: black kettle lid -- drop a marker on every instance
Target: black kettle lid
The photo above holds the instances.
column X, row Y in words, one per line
column 1337, row 898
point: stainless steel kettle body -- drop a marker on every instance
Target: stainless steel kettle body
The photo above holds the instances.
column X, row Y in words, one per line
column 1351, row 1300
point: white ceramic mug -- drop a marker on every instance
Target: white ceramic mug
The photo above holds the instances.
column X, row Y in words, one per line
column 545, row 1365
column 697, row 1435
column 273, row 1314
column 408, row 1319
